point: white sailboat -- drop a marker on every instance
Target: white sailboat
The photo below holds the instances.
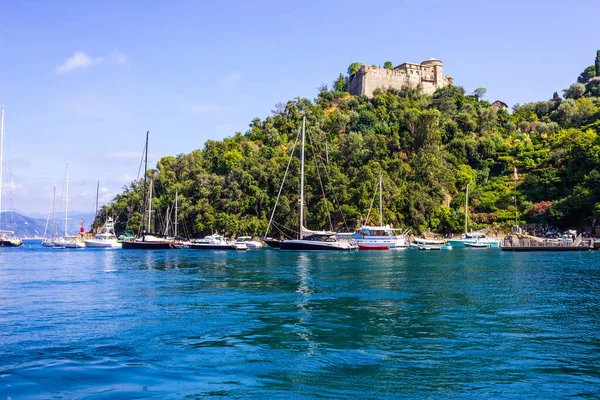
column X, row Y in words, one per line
column 49, row 242
column 6, row 239
column 381, row 235
column 68, row 242
column 309, row 240
column 473, row 239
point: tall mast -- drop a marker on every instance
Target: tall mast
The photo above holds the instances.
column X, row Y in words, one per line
column 67, row 200
column 53, row 208
column 302, row 180
column 150, row 207
column 175, row 213
column 1, row 159
column 380, row 203
column 97, row 191
column 145, row 173
column 466, row 208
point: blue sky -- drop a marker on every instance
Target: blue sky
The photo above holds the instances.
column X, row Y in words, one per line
column 81, row 82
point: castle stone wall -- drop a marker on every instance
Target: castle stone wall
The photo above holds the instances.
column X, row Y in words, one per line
column 428, row 75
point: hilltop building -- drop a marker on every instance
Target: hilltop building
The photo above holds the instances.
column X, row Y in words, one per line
column 428, row 75
column 499, row 105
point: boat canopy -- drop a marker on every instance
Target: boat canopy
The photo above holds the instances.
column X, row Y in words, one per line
column 307, row 232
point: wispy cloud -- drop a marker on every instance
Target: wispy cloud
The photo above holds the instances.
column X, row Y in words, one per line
column 231, row 80
column 80, row 60
column 204, row 108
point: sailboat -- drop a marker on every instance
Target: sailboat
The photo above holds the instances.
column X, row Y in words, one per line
column 307, row 239
column 146, row 240
column 49, row 242
column 6, row 239
column 381, row 235
column 473, row 239
column 68, row 242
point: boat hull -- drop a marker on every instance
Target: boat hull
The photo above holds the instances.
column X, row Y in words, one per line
column 274, row 243
column 372, row 247
column 313, row 245
column 461, row 242
column 99, row 244
column 201, row 246
column 10, row 243
column 146, row 245
column 391, row 242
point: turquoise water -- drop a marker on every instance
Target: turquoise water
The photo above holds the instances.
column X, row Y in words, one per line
column 465, row 323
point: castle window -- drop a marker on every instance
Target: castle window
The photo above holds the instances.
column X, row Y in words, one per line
column 411, row 72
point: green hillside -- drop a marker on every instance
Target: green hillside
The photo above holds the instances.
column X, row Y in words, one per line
column 428, row 148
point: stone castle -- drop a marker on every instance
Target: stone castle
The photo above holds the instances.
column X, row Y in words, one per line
column 427, row 75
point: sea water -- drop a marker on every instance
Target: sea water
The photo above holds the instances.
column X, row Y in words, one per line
column 466, row 323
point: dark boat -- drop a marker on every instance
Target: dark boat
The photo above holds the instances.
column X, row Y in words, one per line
column 316, row 242
column 144, row 244
column 10, row 242
column 272, row 242
column 147, row 240
column 312, row 240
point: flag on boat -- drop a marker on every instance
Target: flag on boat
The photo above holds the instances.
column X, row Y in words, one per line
column 515, row 174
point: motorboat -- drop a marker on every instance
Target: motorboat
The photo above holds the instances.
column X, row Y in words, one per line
column 478, row 245
column 215, row 242
column 106, row 239
column 247, row 240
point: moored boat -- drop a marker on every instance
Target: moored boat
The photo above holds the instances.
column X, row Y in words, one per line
column 384, row 235
column 478, row 245
column 147, row 240
column 247, row 240
column 214, row 242
column 362, row 246
column 309, row 240
column 271, row 242
column 106, row 239
column 6, row 239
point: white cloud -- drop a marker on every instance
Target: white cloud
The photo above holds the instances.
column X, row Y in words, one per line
column 231, row 80
column 204, row 108
column 80, row 60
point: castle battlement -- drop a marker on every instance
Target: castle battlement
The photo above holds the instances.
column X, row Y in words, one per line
column 427, row 74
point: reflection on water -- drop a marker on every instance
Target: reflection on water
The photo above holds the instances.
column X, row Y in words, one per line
column 273, row 324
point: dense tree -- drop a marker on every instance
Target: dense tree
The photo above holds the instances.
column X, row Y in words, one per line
column 574, row 91
column 388, row 65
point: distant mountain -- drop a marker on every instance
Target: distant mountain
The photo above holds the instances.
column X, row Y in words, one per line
column 28, row 227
